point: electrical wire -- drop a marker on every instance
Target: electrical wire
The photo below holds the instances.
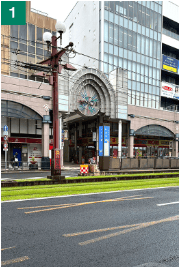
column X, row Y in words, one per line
column 67, row 79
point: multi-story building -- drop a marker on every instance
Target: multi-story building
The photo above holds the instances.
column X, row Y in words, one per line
column 23, row 95
column 141, row 39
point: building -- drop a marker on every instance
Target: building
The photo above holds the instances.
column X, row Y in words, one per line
column 24, row 95
column 127, row 55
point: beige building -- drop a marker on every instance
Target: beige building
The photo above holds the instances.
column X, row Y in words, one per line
column 24, row 95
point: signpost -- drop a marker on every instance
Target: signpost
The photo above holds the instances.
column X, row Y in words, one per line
column 104, row 146
column 5, row 134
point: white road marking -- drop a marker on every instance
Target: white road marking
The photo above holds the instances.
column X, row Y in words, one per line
column 165, row 204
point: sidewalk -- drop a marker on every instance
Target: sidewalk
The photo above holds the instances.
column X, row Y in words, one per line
column 66, row 166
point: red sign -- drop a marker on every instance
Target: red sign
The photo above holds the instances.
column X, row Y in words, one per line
column 57, row 165
column 22, row 140
column 5, row 145
column 167, row 88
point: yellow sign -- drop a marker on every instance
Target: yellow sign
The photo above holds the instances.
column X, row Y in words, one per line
column 169, row 68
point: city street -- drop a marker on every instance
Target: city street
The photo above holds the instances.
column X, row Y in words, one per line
column 116, row 229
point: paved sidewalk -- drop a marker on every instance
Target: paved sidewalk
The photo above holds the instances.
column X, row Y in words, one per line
column 66, row 166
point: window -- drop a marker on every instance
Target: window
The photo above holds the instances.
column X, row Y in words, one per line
column 155, row 21
column 151, row 19
column 130, row 41
column 14, row 31
column 135, row 11
column 139, row 14
column 120, row 37
column 125, row 38
column 142, row 44
column 147, row 17
column 111, row 33
column 39, row 34
column 151, row 48
column 31, row 34
column 134, row 41
column 138, row 43
column 23, row 33
column 143, row 16
column 115, row 34
column 106, row 30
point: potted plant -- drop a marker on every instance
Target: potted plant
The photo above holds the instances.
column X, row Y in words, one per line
column 33, row 161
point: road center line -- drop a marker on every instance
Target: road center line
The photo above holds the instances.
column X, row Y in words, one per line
column 140, row 226
column 70, row 204
column 85, row 203
column 7, row 248
column 165, row 204
column 15, row 260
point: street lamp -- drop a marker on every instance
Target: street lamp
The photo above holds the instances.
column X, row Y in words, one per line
column 53, row 61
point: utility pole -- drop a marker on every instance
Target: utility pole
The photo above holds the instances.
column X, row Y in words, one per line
column 53, row 61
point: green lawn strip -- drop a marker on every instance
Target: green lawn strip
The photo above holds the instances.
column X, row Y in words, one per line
column 28, row 180
column 38, row 191
column 104, row 176
column 122, row 175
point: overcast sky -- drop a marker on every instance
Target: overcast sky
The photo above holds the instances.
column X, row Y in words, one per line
column 58, row 10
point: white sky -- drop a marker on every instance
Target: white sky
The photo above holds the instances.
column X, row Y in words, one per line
column 58, row 9
column 55, row 9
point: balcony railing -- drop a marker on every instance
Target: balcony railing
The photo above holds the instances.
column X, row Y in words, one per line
column 171, row 34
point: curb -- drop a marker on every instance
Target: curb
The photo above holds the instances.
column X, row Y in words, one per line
column 83, row 180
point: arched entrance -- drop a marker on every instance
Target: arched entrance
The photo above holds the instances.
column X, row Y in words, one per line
column 91, row 101
column 153, row 141
column 24, row 132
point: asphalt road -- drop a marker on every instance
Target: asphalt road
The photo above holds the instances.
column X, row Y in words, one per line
column 27, row 175
column 120, row 229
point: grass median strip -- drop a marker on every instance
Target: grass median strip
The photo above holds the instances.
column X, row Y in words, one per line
column 38, row 191
column 103, row 176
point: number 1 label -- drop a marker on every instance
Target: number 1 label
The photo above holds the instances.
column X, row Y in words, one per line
column 12, row 9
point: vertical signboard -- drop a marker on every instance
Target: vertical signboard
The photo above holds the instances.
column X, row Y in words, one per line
column 57, row 165
column 106, row 140
column 101, row 141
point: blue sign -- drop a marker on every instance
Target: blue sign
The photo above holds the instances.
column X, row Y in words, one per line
column 5, row 128
column 101, row 141
column 170, row 64
column 106, row 140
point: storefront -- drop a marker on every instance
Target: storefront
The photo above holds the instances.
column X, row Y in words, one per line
column 152, row 147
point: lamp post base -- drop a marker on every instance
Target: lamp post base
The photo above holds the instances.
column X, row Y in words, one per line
column 56, row 177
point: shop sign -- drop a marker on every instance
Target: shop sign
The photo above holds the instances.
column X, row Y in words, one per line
column 106, row 140
column 57, row 165
column 100, row 140
column 114, row 141
column 147, row 142
column 65, row 135
column 170, row 91
column 94, row 136
column 22, row 140
column 170, row 64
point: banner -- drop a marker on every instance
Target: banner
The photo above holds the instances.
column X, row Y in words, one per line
column 170, row 64
column 170, row 91
column 101, row 141
column 106, row 140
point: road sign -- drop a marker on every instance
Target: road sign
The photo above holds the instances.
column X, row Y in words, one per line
column 5, row 133
column 5, row 128
column 5, row 149
column 5, row 145
column 5, row 137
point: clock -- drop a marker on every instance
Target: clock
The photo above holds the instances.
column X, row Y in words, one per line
column 88, row 101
